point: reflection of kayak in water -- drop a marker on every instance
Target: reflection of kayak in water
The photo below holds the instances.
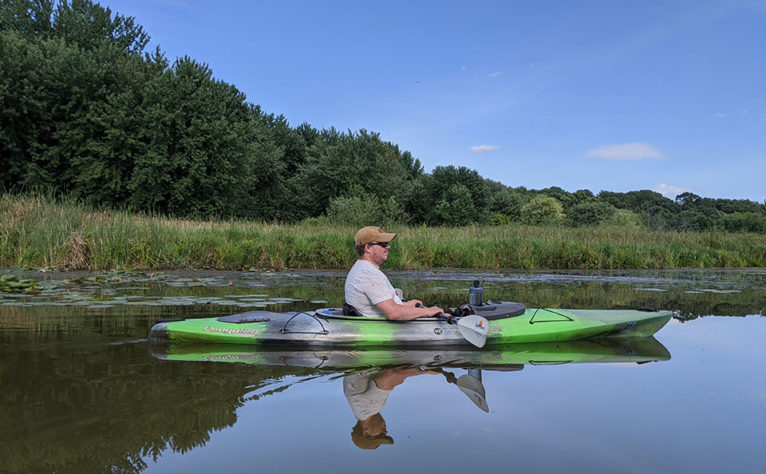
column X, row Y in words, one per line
column 507, row 357
column 508, row 323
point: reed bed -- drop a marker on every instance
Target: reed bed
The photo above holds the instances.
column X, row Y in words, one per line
column 36, row 232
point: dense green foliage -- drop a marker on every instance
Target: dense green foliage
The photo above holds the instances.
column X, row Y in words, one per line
column 88, row 113
column 39, row 233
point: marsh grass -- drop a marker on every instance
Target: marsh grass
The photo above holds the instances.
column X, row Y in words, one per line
column 37, row 232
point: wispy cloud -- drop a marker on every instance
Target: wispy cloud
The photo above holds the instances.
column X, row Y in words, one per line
column 626, row 151
column 482, row 148
column 495, row 74
column 720, row 115
column 669, row 191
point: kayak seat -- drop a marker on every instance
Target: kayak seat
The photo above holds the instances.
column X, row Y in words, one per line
column 349, row 310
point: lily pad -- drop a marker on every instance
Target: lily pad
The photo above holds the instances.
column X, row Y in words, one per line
column 10, row 283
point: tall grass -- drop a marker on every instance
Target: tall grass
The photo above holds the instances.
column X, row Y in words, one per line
column 40, row 233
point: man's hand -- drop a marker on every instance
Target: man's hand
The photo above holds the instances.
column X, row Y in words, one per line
column 412, row 309
column 414, row 303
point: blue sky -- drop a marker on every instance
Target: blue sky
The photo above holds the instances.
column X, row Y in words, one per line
column 600, row 95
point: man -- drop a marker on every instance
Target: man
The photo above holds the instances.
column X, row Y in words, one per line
column 366, row 393
column 368, row 290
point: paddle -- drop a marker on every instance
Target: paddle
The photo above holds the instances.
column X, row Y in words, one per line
column 472, row 327
column 474, row 389
column 470, row 386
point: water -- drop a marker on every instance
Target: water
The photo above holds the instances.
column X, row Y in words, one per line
column 82, row 392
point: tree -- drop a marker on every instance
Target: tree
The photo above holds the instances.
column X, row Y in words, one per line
column 339, row 162
column 417, row 200
column 591, row 213
column 364, row 209
column 30, row 18
column 542, row 210
column 201, row 159
column 688, row 200
column 86, row 24
column 59, row 69
column 657, row 217
column 638, row 201
column 744, row 222
column 456, row 207
column 566, row 199
column 692, row 220
column 507, row 203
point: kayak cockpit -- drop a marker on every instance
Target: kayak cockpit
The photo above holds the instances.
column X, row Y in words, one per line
column 490, row 310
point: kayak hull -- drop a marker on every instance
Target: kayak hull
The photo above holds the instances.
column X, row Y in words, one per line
column 509, row 357
column 329, row 328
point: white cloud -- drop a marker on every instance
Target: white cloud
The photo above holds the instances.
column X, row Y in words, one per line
column 626, row 151
column 720, row 115
column 495, row 74
column 482, row 148
column 668, row 190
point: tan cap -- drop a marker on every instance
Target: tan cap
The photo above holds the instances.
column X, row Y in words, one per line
column 368, row 442
column 368, row 234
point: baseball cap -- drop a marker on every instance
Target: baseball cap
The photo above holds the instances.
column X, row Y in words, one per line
column 368, row 234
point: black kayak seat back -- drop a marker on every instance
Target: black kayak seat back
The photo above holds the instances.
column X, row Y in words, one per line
column 498, row 310
column 349, row 310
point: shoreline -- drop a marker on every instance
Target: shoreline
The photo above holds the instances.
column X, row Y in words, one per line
column 37, row 233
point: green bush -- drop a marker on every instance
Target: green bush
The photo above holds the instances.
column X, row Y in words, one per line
column 590, row 213
column 456, row 208
column 744, row 222
column 364, row 209
column 626, row 218
column 542, row 210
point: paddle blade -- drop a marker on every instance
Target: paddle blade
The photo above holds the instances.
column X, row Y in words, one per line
column 474, row 389
column 474, row 329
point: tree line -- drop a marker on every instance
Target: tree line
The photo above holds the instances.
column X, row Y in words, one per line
column 89, row 113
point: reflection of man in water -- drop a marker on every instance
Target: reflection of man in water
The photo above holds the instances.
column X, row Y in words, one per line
column 366, row 393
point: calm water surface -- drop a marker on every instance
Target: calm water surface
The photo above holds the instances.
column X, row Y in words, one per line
column 81, row 391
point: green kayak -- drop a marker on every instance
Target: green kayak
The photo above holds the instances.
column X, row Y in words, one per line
column 499, row 323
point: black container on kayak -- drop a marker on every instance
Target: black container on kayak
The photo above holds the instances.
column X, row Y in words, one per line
column 476, row 294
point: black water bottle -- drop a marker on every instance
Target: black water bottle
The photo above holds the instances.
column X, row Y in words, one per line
column 476, row 294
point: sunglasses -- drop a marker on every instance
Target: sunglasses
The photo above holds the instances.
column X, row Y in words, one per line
column 382, row 244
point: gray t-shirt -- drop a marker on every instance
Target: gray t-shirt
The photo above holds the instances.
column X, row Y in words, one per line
column 367, row 286
column 363, row 395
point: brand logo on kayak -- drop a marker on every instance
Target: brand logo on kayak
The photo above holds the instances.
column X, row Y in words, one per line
column 480, row 324
column 238, row 332
column 628, row 326
column 438, row 331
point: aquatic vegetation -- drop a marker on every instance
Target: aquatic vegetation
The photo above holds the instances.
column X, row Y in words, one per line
column 39, row 233
column 12, row 284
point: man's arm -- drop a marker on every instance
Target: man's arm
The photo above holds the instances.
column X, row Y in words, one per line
column 407, row 311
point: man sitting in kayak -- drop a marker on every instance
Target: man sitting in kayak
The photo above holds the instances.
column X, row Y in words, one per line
column 368, row 290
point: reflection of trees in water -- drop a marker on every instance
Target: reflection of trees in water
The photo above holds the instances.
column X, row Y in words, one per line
column 70, row 402
column 102, row 408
